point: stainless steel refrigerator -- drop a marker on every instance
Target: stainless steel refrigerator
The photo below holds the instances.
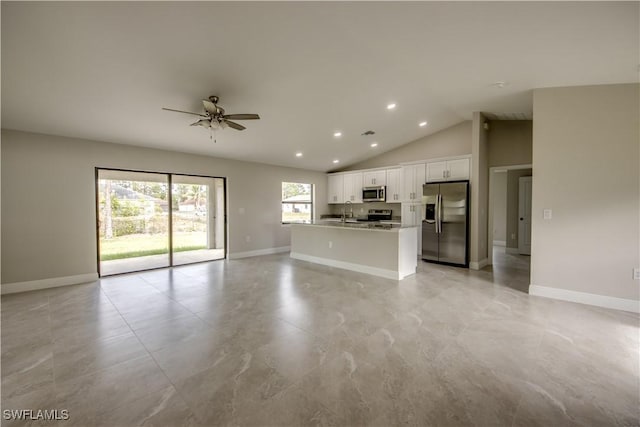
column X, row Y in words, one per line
column 445, row 224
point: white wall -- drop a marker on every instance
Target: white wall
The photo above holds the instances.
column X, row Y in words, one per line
column 452, row 141
column 586, row 168
column 48, row 191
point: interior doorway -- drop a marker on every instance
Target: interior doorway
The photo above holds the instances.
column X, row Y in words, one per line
column 508, row 235
column 148, row 220
column 504, row 209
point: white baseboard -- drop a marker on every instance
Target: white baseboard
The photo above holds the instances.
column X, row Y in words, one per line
column 258, row 252
column 380, row 272
column 479, row 265
column 586, row 298
column 512, row 250
column 34, row 285
column 499, row 243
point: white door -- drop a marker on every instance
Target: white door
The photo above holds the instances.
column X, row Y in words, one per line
column 524, row 216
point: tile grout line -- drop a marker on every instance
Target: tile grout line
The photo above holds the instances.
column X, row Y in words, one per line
column 150, row 355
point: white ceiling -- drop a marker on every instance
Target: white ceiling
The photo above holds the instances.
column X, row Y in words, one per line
column 103, row 71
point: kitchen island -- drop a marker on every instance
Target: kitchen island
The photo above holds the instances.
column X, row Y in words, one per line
column 383, row 250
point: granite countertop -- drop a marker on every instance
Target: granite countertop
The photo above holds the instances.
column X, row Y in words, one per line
column 353, row 224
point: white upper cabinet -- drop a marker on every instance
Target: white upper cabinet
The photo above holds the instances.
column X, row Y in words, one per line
column 413, row 177
column 335, row 190
column 353, row 187
column 394, row 188
column 458, row 169
column 374, row 178
column 449, row 170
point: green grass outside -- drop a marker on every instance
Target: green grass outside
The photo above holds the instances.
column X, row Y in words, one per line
column 138, row 245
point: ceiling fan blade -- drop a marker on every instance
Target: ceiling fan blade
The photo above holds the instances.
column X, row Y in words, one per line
column 234, row 125
column 202, row 122
column 210, row 106
column 242, row 116
column 185, row 112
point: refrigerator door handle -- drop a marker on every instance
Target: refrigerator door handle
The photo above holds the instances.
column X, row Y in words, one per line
column 437, row 209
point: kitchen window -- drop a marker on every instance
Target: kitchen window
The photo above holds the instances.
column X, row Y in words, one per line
column 297, row 203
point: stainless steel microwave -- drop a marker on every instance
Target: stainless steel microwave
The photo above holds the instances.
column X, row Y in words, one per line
column 374, row 194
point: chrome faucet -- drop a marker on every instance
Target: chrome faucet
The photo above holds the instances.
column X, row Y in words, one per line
column 344, row 210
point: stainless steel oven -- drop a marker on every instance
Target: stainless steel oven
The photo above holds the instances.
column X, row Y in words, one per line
column 374, row 194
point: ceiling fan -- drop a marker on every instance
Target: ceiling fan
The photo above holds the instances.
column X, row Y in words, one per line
column 214, row 117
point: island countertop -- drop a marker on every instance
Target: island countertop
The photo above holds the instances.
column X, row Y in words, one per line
column 342, row 245
column 366, row 226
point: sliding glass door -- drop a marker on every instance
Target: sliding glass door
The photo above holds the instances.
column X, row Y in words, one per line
column 151, row 220
column 198, row 219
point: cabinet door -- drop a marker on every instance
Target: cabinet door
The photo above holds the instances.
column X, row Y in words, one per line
column 353, row 187
column 408, row 183
column 412, row 180
column 436, row 171
column 458, row 169
column 393, row 185
column 374, row 178
column 411, row 214
column 420, row 181
column 335, row 189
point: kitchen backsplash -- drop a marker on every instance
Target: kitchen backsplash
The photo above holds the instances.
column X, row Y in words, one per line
column 361, row 209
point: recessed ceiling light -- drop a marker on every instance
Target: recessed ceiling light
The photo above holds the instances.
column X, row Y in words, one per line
column 337, row 134
column 336, row 161
column 298, row 154
column 391, row 106
column 422, row 124
column 374, row 145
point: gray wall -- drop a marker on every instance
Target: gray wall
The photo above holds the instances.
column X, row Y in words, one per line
column 48, row 192
column 510, row 142
column 452, row 141
column 499, row 195
column 479, row 190
column 586, row 167
column 513, row 188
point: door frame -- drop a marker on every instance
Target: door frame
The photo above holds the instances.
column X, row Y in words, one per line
column 170, row 218
column 521, row 207
column 491, row 197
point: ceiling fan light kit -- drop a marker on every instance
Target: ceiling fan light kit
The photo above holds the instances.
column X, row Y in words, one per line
column 215, row 118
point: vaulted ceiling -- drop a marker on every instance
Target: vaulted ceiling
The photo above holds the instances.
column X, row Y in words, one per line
column 103, row 71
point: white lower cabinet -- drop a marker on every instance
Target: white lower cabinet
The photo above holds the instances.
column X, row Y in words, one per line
column 412, row 217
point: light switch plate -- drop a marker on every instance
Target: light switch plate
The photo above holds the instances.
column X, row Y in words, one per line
column 636, row 274
column 547, row 214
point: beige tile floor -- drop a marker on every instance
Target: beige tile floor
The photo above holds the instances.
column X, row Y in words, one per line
column 270, row 341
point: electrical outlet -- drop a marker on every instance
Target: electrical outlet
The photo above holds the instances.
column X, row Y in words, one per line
column 636, row 274
column 547, row 214
column 330, row 244
column 247, row 239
